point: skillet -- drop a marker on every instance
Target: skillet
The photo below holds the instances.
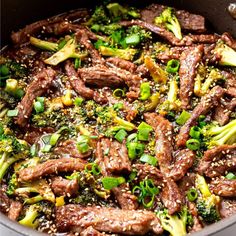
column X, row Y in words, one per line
column 17, row 13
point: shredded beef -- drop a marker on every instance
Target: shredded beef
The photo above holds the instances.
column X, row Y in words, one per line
column 184, row 161
column 40, row 84
column 207, row 102
column 122, row 64
column 189, row 61
column 112, row 220
column 164, row 134
column 64, row 187
column 224, row 187
column 35, row 28
column 51, row 167
column 218, row 160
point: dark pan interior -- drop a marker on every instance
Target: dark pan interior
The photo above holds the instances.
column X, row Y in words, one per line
column 15, row 14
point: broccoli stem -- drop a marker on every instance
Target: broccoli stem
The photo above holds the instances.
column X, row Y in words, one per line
column 5, row 163
column 42, row 44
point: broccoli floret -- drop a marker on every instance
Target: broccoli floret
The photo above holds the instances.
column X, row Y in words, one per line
column 228, row 55
column 99, row 16
column 174, row 224
column 68, row 51
column 11, row 150
column 207, row 203
column 117, row 11
column 40, row 187
column 106, row 29
column 30, row 218
column 143, row 34
column 12, row 184
column 216, row 135
column 170, row 21
column 126, row 54
column 42, row 44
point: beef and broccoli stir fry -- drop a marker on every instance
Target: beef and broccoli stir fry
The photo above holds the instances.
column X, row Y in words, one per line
column 120, row 121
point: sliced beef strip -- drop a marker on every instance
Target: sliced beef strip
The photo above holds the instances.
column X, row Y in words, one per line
column 124, row 197
column 35, row 28
column 197, row 225
column 51, row 167
column 227, row 207
column 122, row 193
column 112, row 220
column 40, row 84
column 229, row 40
column 170, row 37
column 218, row 160
column 164, row 134
column 8, row 206
column 223, row 110
column 230, row 83
column 90, row 231
column 83, row 37
column 100, row 77
column 189, row 61
column 79, row 86
column 14, row 210
column 115, row 156
column 171, row 196
column 64, row 187
column 207, row 102
column 224, row 187
column 184, row 161
column 187, row 20
column 33, row 134
column 68, row 149
column 123, row 64
column 150, row 172
column 170, row 53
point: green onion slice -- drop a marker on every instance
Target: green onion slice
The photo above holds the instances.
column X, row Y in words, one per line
column 119, row 93
column 135, row 149
column 12, row 113
column 77, row 63
column 93, row 168
column 149, row 159
column 192, row 194
column 143, row 131
column 193, row 144
column 172, row 66
column 195, row 132
column 112, row 182
column 120, row 135
column 145, row 91
column 231, row 176
column 184, row 116
column 78, row 101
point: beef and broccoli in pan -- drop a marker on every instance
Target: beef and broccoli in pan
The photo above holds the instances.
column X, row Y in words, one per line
column 118, row 120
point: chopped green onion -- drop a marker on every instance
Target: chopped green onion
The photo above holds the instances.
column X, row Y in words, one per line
column 192, row 194
column 33, row 150
column 95, row 27
column 46, row 148
column 46, row 138
column 132, row 138
column 133, row 39
column 61, row 44
column 120, row 135
column 195, row 132
column 54, row 138
column 93, row 168
column 19, row 93
column 119, row 93
column 184, row 116
column 118, row 106
column 38, row 107
column 172, row 66
column 231, row 176
column 193, row 144
column 112, row 182
column 77, row 63
column 4, row 71
column 149, row 203
column 132, row 176
column 40, row 99
column 149, row 186
column 78, row 101
column 143, row 131
column 145, row 91
column 12, row 113
column 82, row 144
column 148, row 159
column 135, row 149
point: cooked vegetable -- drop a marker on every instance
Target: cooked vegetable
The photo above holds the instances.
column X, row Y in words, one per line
column 170, row 21
column 216, row 135
column 42, row 44
column 112, row 182
column 207, row 203
column 145, row 91
column 126, row 54
column 68, row 51
column 172, row 66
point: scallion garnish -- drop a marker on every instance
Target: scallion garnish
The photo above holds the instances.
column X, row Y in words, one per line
column 12, row 113
column 192, row 194
column 143, row 131
column 195, row 132
column 184, row 116
column 120, row 135
column 146, row 158
column 145, row 91
column 82, row 144
column 172, row 66
column 193, row 144
column 230, row 175
column 135, row 149
column 119, row 93
column 112, row 182
column 93, row 168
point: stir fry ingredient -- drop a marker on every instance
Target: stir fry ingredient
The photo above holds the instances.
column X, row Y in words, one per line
column 118, row 120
